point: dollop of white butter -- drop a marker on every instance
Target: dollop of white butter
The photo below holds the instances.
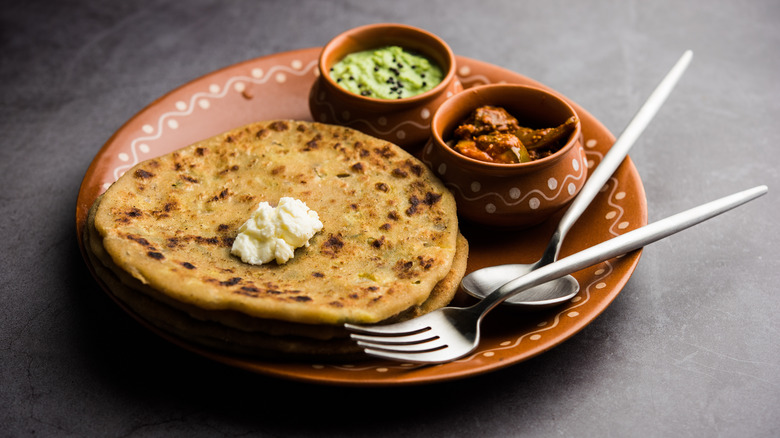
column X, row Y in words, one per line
column 274, row 233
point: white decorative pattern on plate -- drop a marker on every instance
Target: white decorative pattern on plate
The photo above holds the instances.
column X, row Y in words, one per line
column 277, row 86
column 277, row 72
column 597, row 283
column 155, row 129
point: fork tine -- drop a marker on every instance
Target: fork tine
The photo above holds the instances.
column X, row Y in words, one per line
column 424, row 347
column 415, row 338
column 400, row 328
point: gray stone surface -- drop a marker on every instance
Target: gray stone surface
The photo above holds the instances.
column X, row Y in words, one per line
column 689, row 349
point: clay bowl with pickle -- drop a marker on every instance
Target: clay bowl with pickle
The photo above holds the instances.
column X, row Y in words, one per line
column 386, row 80
column 511, row 154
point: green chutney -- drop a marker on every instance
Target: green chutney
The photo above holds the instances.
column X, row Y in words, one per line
column 386, row 73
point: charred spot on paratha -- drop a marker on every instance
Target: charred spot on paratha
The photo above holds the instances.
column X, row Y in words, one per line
column 143, row 174
column 333, row 245
column 279, row 126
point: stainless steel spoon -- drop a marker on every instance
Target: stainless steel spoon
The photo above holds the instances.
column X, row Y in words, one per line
column 482, row 282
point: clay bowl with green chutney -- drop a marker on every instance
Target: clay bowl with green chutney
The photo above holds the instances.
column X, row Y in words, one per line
column 386, row 80
column 511, row 154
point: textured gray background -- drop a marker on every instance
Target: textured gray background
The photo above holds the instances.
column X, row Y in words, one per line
column 690, row 348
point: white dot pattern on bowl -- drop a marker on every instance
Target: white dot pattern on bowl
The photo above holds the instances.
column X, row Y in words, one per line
column 534, row 197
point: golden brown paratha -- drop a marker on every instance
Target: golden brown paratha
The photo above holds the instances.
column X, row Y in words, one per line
column 237, row 333
column 390, row 229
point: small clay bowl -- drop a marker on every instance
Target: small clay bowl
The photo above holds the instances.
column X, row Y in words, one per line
column 405, row 122
column 517, row 195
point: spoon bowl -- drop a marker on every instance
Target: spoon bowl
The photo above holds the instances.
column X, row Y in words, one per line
column 541, row 297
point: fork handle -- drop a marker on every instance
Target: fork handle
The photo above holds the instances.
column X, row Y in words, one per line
column 617, row 246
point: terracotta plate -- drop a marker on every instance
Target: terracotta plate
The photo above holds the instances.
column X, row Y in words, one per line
column 277, row 86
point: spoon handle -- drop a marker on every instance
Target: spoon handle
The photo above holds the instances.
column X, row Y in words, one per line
column 615, row 156
column 619, row 245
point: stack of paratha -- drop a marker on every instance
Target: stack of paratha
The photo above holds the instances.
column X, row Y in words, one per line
column 390, row 249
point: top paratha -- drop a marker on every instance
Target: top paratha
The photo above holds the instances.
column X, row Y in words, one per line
column 389, row 233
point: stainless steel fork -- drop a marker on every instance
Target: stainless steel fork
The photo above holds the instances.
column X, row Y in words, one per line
column 450, row 333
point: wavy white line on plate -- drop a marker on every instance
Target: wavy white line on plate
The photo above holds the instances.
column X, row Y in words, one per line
column 195, row 98
column 583, row 298
column 614, row 194
column 378, row 368
column 569, row 311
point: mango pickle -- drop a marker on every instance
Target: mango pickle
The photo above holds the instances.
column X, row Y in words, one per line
column 493, row 135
